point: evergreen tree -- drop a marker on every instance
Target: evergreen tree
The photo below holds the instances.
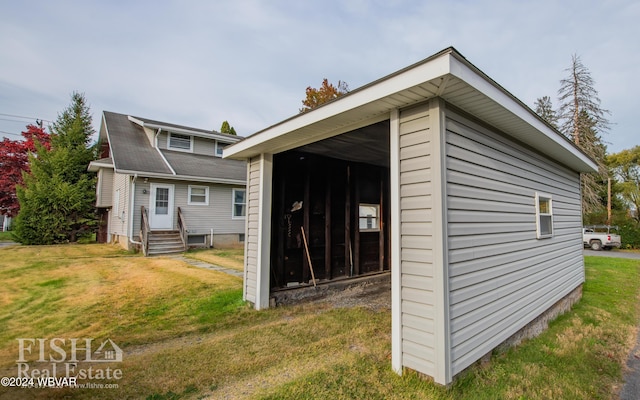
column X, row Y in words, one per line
column 58, row 196
column 228, row 129
column 544, row 108
column 583, row 120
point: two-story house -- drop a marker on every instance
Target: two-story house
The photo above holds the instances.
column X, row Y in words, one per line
column 164, row 187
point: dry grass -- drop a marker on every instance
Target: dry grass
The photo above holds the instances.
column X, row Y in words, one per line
column 186, row 334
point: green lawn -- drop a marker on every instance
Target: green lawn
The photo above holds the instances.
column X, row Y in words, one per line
column 187, row 334
column 6, row 236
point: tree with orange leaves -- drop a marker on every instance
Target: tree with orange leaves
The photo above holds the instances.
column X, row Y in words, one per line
column 327, row 92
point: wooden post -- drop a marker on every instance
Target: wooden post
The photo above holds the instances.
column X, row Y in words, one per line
column 306, row 247
column 306, row 209
column 381, row 223
column 327, row 228
column 348, row 260
column 356, row 229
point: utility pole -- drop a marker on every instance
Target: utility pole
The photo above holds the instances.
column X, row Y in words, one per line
column 608, row 201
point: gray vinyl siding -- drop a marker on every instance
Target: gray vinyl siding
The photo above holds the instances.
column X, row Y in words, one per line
column 104, row 193
column 118, row 225
column 416, row 242
column 500, row 276
column 200, row 219
column 252, row 230
column 200, row 145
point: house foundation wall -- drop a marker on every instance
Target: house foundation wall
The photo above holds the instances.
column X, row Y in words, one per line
column 537, row 326
column 529, row 331
column 541, row 323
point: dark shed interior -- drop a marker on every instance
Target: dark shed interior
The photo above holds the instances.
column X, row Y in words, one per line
column 330, row 217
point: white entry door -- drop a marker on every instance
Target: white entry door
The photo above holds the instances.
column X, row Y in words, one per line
column 161, row 206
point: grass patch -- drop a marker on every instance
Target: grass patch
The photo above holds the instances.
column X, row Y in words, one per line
column 6, row 236
column 186, row 334
column 228, row 258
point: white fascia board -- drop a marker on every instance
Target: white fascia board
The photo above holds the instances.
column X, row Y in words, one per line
column 94, row 166
column 207, row 135
column 462, row 70
column 214, row 136
column 404, row 79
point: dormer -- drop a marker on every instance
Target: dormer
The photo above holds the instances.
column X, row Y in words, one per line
column 179, row 138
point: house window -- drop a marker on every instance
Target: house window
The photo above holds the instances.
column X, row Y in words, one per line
column 196, row 239
column 369, row 216
column 239, row 203
column 544, row 216
column 219, row 147
column 198, row 195
column 180, row 142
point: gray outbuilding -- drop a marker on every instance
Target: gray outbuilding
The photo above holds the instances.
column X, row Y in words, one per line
column 438, row 176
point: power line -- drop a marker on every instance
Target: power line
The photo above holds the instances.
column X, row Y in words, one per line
column 9, row 133
column 23, row 117
column 13, row 120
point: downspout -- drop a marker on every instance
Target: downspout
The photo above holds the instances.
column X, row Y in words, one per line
column 131, row 211
column 162, row 155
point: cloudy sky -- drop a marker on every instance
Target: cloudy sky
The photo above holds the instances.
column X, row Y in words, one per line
column 199, row 62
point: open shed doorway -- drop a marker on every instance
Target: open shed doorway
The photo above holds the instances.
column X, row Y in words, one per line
column 330, row 216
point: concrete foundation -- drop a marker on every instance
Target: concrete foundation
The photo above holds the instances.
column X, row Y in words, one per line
column 539, row 324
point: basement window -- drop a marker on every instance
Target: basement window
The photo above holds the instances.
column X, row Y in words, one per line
column 544, row 216
column 369, row 216
column 196, row 239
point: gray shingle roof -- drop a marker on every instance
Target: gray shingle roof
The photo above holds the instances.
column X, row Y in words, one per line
column 130, row 148
column 198, row 165
column 131, row 151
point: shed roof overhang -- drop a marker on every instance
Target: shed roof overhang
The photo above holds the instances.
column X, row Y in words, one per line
column 446, row 74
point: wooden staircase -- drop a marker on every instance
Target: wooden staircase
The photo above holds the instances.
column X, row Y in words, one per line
column 164, row 242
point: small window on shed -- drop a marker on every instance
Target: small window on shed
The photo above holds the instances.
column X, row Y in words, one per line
column 369, row 215
column 544, row 216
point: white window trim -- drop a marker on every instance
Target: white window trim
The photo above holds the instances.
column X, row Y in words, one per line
column 197, row 203
column 545, row 196
column 171, row 134
column 374, row 228
column 218, row 143
column 233, row 204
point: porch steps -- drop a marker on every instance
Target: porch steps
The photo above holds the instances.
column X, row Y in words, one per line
column 165, row 242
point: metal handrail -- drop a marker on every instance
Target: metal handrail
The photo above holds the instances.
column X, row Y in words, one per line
column 144, row 231
column 182, row 226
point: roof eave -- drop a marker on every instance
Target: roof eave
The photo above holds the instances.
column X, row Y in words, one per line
column 148, row 174
column 398, row 90
column 198, row 133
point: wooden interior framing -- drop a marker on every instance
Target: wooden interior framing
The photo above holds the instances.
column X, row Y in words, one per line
column 322, row 195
